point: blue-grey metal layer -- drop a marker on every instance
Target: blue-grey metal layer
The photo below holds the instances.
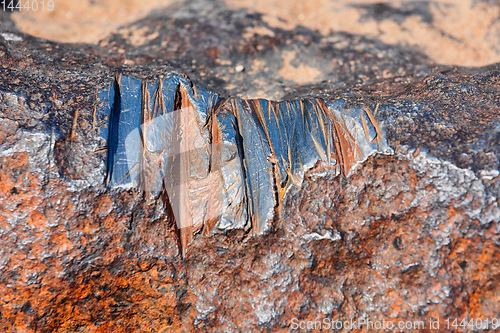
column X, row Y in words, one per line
column 125, row 121
column 257, row 167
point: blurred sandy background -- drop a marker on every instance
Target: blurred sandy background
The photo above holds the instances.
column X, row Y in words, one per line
column 450, row 32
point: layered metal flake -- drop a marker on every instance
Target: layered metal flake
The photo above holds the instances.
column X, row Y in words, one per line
column 227, row 163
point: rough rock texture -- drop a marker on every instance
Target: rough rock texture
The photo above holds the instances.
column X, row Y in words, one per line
column 413, row 236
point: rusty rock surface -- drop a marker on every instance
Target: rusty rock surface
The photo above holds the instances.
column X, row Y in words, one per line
column 412, row 236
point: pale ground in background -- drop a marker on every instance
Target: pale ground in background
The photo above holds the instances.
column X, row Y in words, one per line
column 84, row 21
column 461, row 33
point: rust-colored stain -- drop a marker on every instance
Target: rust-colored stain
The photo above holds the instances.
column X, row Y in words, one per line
column 374, row 122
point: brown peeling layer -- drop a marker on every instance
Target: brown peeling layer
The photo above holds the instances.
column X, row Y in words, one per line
column 374, row 122
column 181, row 202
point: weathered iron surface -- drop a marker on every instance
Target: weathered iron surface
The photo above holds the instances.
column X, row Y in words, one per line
column 409, row 236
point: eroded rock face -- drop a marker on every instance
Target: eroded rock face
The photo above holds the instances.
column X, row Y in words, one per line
column 410, row 236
